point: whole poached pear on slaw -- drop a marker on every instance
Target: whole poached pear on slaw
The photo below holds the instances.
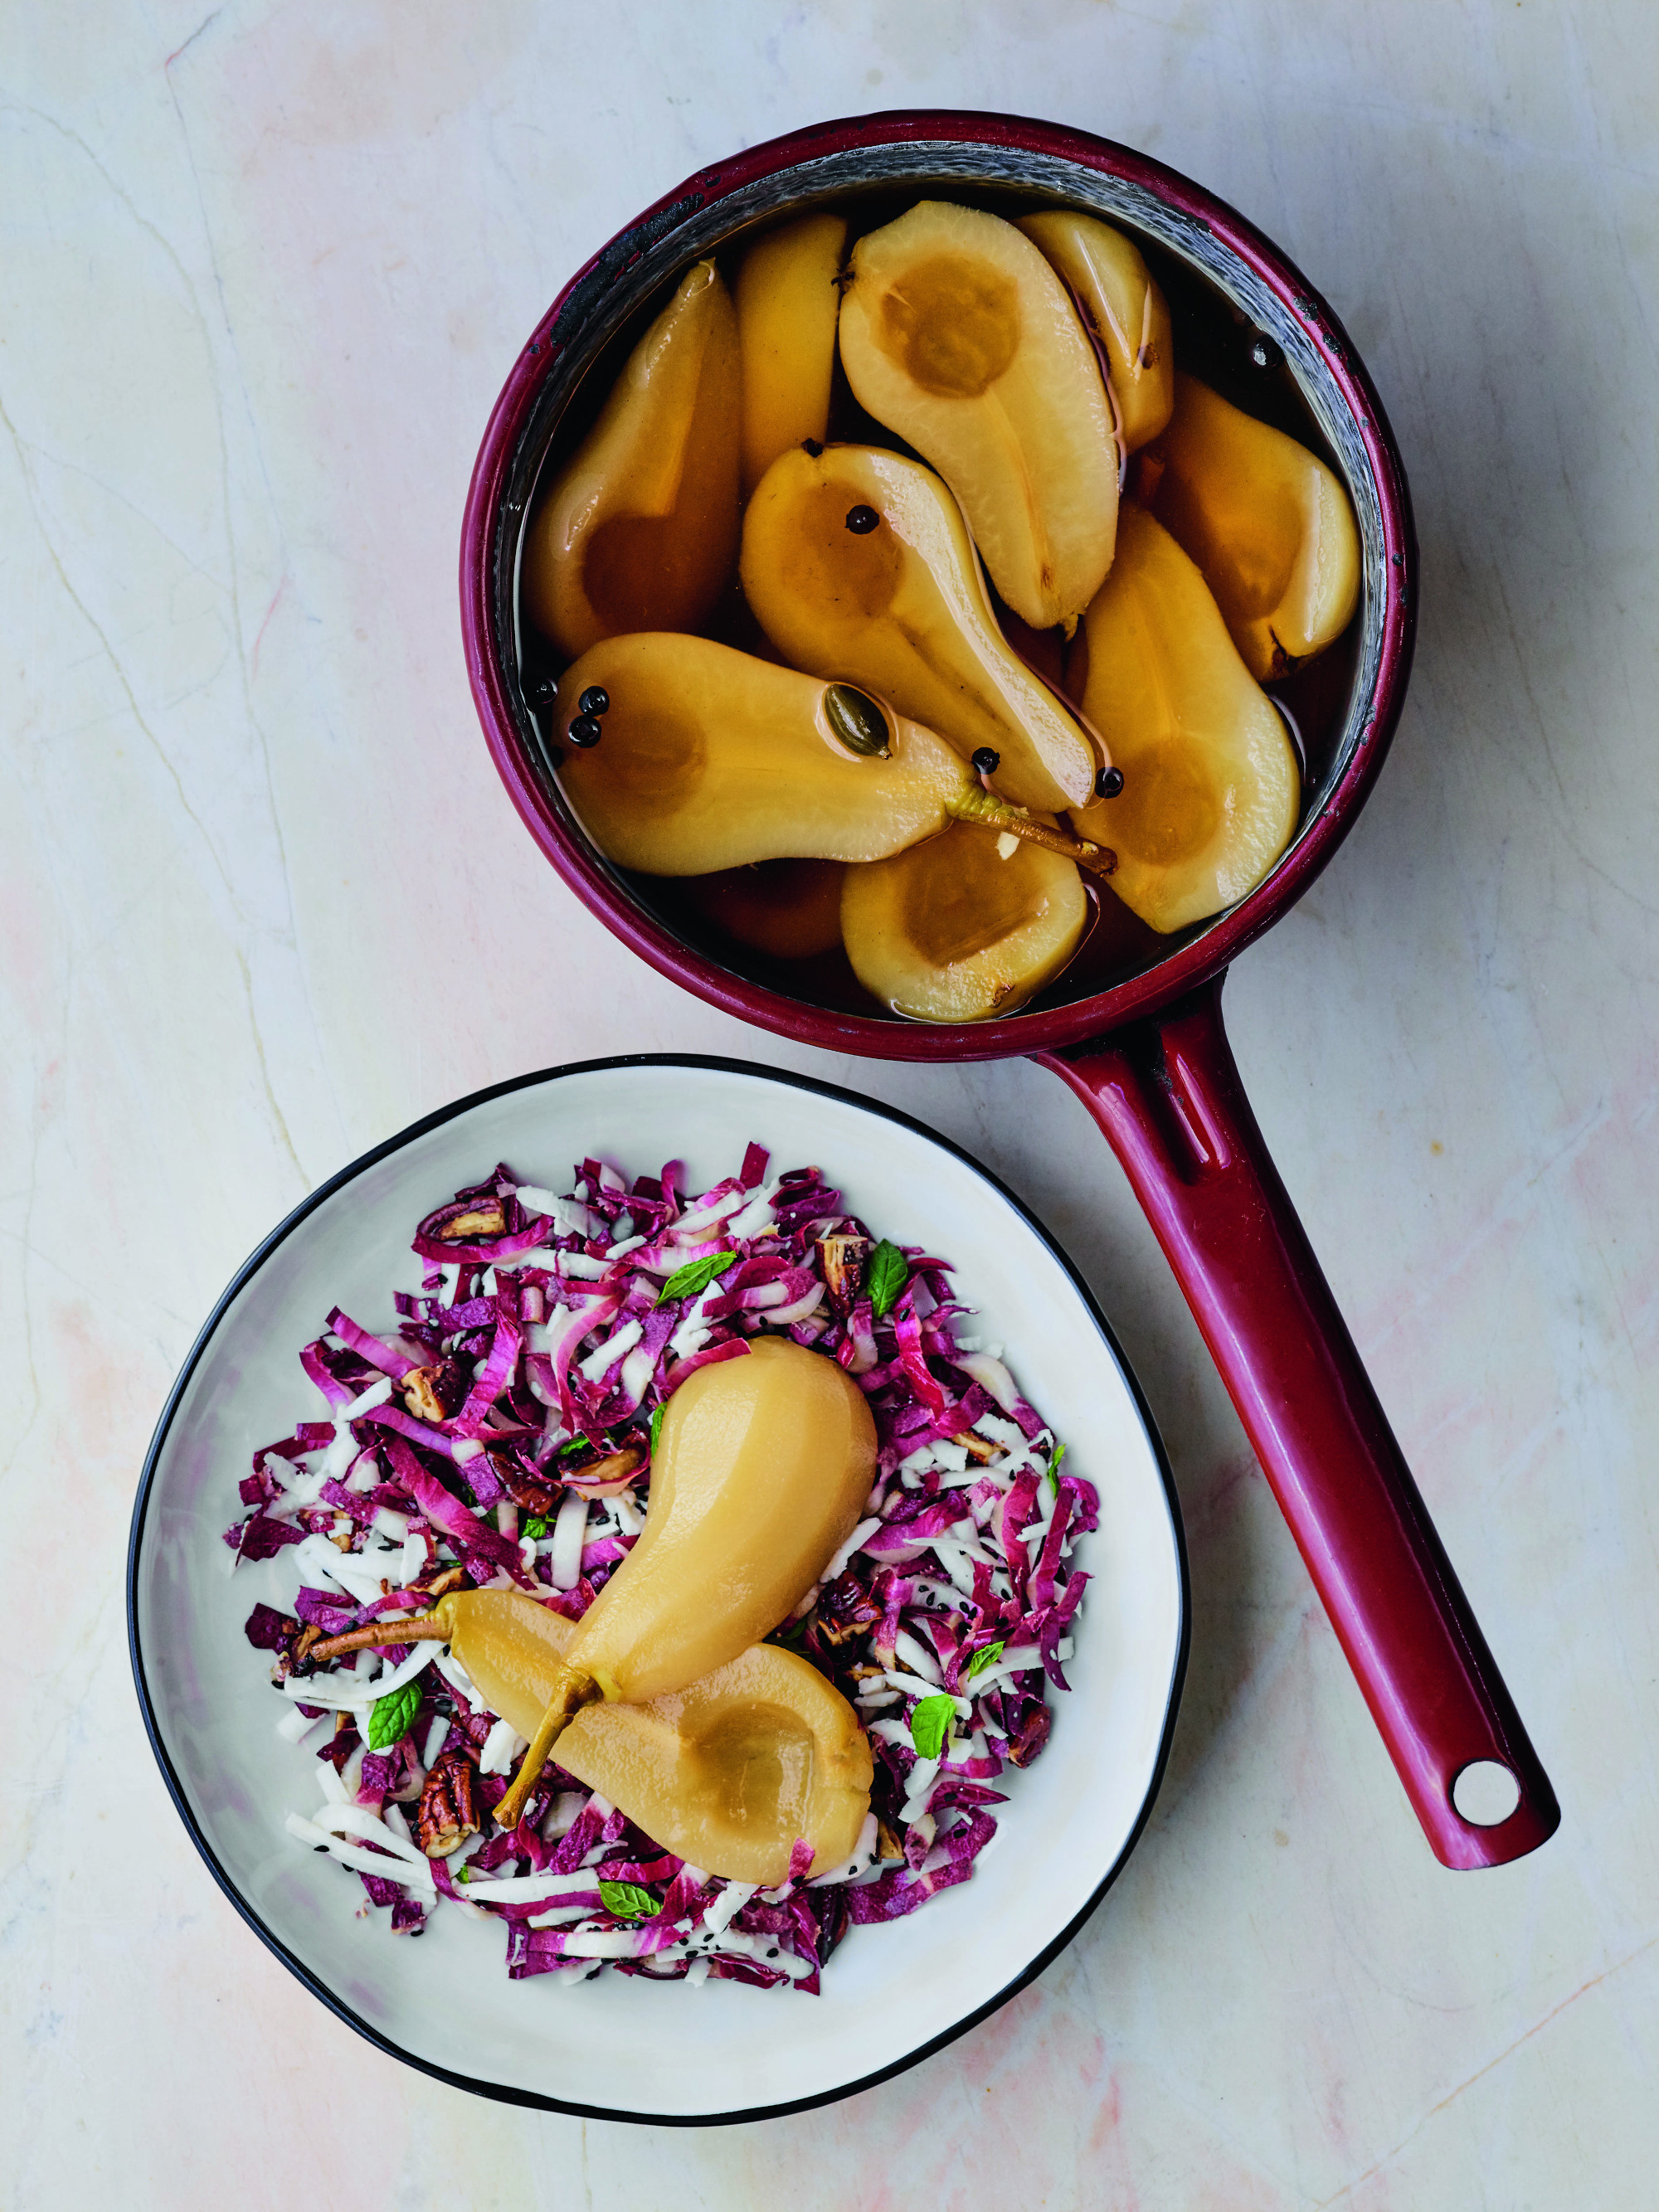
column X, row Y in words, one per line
column 493, row 1455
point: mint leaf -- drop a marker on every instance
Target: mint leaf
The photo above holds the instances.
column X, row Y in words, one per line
column 1054, row 1470
column 657, row 1413
column 986, row 1655
column 627, row 1901
column 575, row 1445
column 696, row 1275
column 929, row 1724
column 392, row 1716
column 532, row 1525
column 885, row 1274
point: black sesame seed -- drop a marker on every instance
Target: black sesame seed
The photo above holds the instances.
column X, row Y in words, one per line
column 585, row 731
column 1109, row 783
column 1264, row 353
column 594, row 700
column 773, row 1953
column 544, row 691
column 861, row 520
column 987, row 761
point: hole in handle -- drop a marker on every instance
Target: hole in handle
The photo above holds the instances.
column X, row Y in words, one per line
column 1484, row 1793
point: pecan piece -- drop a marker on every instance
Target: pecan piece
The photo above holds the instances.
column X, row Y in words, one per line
column 889, row 1851
column 478, row 1221
column 843, row 1259
column 437, row 1585
column 448, row 1811
column 530, row 1496
column 600, row 1478
column 978, row 1447
column 431, row 1394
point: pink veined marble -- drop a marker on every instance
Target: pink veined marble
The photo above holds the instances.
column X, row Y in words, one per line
column 263, row 902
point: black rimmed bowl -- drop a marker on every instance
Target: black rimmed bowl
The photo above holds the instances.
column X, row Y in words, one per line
column 620, row 2048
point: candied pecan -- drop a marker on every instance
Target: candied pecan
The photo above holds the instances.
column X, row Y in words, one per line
column 448, row 1811
column 431, row 1394
column 843, row 1259
column 889, row 1851
column 478, row 1221
column 303, row 1643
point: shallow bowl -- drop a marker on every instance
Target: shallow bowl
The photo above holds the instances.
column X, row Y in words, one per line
column 621, row 2048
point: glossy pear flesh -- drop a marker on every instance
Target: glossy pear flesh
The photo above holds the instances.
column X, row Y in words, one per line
column 1125, row 308
column 787, row 301
column 952, row 932
column 1268, row 524
column 639, row 530
column 710, row 759
column 760, row 1472
column 1211, row 790
column 727, row 1773
column 901, row 608
column 956, row 333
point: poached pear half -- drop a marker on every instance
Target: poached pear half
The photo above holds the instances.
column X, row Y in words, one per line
column 727, row 1772
column 956, row 930
column 1266, row 521
column 858, row 565
column 1123, row 306
column 956, row 333
column 787, row 301
column 1210, row 789
column 705, row 758
column 639, row 529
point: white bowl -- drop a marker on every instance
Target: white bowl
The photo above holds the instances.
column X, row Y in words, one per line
column 622, row 2048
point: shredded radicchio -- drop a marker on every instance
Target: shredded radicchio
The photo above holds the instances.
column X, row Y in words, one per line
column 498, row 1434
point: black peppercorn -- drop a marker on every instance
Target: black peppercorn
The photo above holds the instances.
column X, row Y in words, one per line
column 544, row 691
column 1109, row 783
column 1264, row 353
column 987, row 760
column 585, row 731
column 594, row 700
column 861, row 520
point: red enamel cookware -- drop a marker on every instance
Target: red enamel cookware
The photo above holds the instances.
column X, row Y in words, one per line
column 1143, row 1047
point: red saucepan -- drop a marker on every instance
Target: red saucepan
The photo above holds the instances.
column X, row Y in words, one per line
column 1143, row 1049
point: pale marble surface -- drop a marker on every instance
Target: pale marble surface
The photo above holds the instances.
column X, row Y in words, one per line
column 265, row 901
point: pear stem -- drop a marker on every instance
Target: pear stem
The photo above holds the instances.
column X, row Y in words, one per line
column 986, row 811
column 574, row 1691
column 422, row 1628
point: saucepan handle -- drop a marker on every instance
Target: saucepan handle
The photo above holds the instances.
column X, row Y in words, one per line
column 1167, row 1094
